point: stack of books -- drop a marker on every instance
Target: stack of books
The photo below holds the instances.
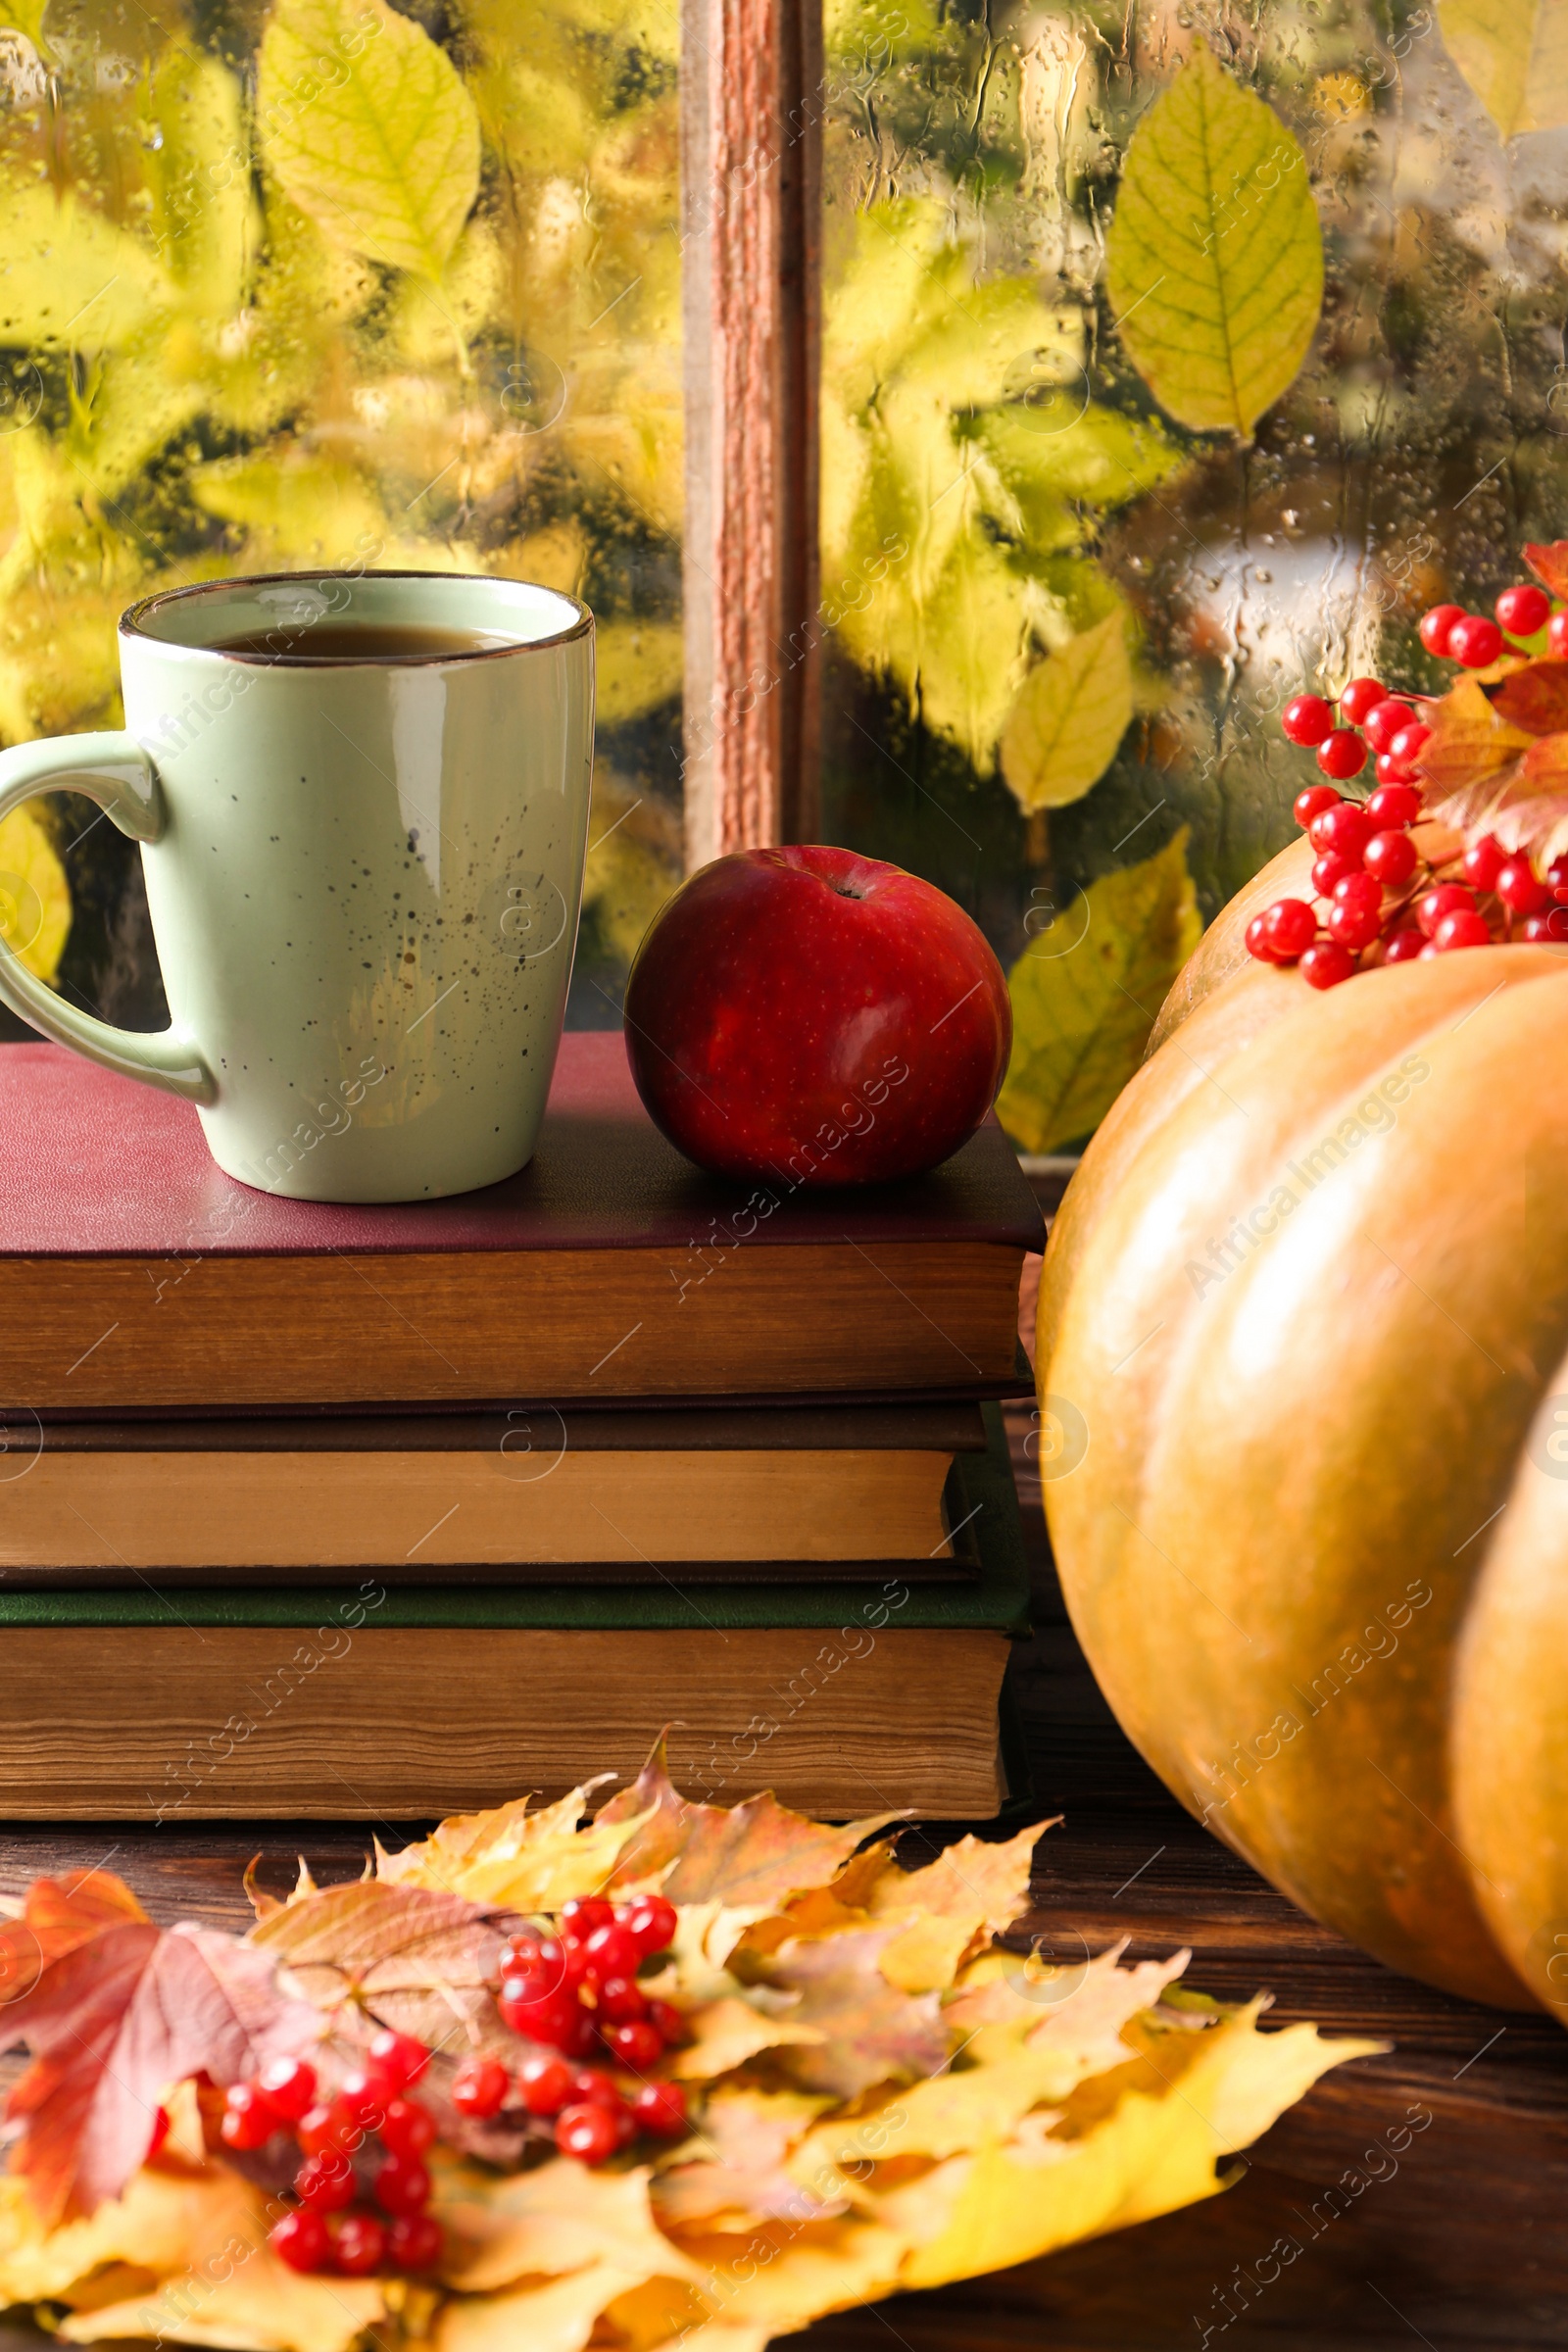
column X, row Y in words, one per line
column 385, row 1512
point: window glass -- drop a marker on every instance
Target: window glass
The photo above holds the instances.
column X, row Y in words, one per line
column 320, row 286
column 1175, row 360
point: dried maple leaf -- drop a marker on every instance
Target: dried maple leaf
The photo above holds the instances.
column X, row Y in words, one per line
column 754, row 1855
column 413, row 1958
column 1549, row 566
column 726, row 2033
column 871, row 2032
column 1469, row 742
column 554, row 2219
column 740, row 2176
column 1533, row 697
column 1526, row 806
column 514, row 1858
column 122, row 2011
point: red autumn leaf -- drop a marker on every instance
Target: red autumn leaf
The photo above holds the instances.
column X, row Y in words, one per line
column 1533, row 697
column 873, row 2032
column 59, row 1914
column 1551, row 566
column 1525, row 807
column 119, row 2010
column 748, row 1854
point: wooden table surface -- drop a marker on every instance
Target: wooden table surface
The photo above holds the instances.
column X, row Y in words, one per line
column 1462, row 2241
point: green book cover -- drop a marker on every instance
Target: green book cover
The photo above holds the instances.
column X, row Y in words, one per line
column 998, row 1597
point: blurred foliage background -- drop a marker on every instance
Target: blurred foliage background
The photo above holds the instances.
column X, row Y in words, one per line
column 1175, row 357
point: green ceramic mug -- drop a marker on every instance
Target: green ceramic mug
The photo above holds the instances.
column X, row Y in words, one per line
column 363, row 836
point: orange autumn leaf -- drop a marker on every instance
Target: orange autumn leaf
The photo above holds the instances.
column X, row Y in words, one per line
column 1525, row 807
column 754, row 1854
column 1551, row 566
column 871, row 2031
column 1533, row 697
column 1469, row 742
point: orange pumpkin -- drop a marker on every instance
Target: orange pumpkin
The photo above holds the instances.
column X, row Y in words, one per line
column 1302, row 1329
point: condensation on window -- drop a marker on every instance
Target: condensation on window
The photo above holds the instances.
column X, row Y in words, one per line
column 1071, row 571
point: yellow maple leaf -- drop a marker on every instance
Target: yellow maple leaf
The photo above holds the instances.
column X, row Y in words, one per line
column 726, row 2033
column 512, row 1856
column 560, row 2217
column 543, row 2315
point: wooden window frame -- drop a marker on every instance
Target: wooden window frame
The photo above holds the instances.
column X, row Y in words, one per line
column 750, row 231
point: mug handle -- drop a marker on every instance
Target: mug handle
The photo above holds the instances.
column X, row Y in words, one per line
column 114, row 770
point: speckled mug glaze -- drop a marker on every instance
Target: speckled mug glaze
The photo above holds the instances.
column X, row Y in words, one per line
column 365, row 876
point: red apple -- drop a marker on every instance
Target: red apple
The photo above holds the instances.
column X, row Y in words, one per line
column 813, row 1017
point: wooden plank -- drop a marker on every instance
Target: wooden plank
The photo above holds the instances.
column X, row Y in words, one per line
column 751, row 75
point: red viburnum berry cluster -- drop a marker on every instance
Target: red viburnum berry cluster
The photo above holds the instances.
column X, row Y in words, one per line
column 1379, row 899
column 577, row 1993
column 328, row 2229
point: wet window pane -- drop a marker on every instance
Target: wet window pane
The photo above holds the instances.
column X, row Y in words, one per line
column 1083, row 534
column 321, row 286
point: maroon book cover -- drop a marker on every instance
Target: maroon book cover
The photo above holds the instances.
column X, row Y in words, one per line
column 99, row 1165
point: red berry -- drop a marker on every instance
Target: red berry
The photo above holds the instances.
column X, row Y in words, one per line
column 1475, row 642
column 290, row 2085
column 414, row 2241
column 1558, row 875
column 364, row 2093
column 1341, row 755
column 1331, row 868
column 1385, row 720
column 1403, row 946
column 1358, row 890
column 1520, row 887
column 1405, row 748
column 399, row 2057
column 667, row 2023
column 551, row 2019
column 1482, row 862
column 1449, row 897
column 621, row 1998
column 1313, row 803
column 1391, row 856
column 1256, row 944
column 1327, row 964
column 1359, row 697
column 589, row 2133
column 1289, row 926
column 1395, row 805
column 301, row 2241
column 1354, row 927
column 1524, row 610
column 589, row 2085
column 520, row 1952
column 321, row 2129
column 1435, row 625
column 249, row 2117
column 407, row 2128
column 1546, row 927
column 1307, row 720
column 1464, row 928
column 651, row 1922
column 1347, row 827
column 480, row 2086
column 639, row 2045
column 545, row 2084
column 325, row 2183
column 1387, row 770
column 610, row 1952
column 1558, row 633
column 403, row 2185
column 359, row 2245
column 583, row 1913
column 660, row 2108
